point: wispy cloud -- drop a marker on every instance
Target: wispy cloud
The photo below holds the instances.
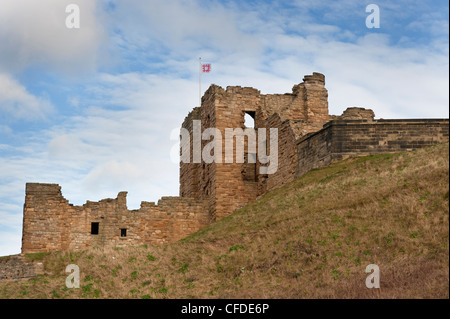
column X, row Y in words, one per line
column 34, row 33
column 17, row 103
column 181, row 26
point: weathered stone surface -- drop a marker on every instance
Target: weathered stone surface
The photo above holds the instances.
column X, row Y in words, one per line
column 340, row 139
column 308, row 137
column 50, row 223
column 17, row 267
column 232, row 185
column 357, row 113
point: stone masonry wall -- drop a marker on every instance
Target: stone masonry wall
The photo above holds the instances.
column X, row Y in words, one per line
column 17, row 267
column 50, row 223
column 232, row 189
column 340, row 139
column 287, row 156
column 230, row 186
column 190, row 172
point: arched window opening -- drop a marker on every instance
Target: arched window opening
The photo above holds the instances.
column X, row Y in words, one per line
column 249, row 119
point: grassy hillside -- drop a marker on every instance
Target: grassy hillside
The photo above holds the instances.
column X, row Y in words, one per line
column 312, row 238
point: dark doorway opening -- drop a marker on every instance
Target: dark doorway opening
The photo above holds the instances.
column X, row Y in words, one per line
column 94, row 228
column 123, row 232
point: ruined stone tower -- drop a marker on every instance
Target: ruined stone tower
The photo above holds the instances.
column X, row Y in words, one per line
column 307, row 137
column 232, row 185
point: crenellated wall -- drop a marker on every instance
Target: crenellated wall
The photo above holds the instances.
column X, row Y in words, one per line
column 51, row 223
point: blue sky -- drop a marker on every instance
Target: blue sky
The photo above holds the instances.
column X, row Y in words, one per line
column 93, row 108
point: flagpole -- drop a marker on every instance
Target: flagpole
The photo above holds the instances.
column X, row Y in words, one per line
column 200, row 81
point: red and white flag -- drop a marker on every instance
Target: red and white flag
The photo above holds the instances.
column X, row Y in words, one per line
column 206, row 68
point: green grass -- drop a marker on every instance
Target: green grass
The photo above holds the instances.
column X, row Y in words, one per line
column 311, row 238
column 36, row 256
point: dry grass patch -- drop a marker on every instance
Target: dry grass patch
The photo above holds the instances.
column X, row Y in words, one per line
column 312, row 238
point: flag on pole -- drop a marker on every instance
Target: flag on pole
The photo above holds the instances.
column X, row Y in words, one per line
column 206, row 68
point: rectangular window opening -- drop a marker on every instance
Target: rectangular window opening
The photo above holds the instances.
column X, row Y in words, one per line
column 123, row 232
column 94, row 228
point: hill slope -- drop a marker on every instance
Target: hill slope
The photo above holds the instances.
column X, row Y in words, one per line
column 312, row 238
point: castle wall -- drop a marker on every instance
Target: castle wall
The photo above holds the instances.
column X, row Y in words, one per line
column 287, row 156
column 50, row 223
column 46, row 219
column 232, row 189
column 307, row 104
column 340, row 139
column 230, row 186
column 17, row 267
column 316, row 98
column 190, row 172
column 308, row 137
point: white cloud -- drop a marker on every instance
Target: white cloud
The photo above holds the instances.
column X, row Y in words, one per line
column 395, row 82
column 34, row 33
column 10, row 242
column 18, row 103
column 121, row 145
column 4, row 129
column 10, row 230
column 182, row 27
column 9, row 220
column 68, row 147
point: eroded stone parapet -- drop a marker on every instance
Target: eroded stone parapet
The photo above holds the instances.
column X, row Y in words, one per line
column 16, row 267
column 315, row 78
column 42, row 189
column 357, row 113
column 51, row 223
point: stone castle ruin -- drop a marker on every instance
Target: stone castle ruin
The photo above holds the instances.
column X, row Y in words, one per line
column 308, row 137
